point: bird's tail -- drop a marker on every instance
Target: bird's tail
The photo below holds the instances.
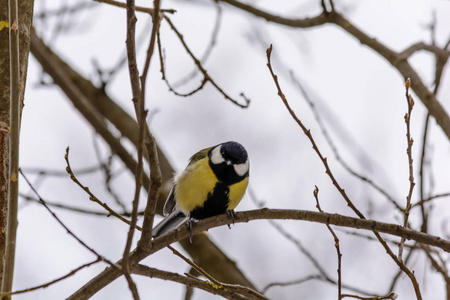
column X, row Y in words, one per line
column 174, row 220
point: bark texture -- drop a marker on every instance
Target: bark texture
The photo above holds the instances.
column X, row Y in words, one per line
column 25, row 9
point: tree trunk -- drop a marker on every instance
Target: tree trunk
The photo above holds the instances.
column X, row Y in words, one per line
column 25, row 16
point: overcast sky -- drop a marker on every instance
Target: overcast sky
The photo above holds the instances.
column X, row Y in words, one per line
column 359, row 96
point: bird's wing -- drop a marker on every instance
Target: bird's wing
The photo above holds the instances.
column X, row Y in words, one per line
column 174, row 216
column 170, row 204
column 199, row 155
column 174, row 220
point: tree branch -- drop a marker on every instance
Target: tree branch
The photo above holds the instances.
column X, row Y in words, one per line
column 188, row 281
column 307, row 132
column 215, row 262
column 397, row 60
column 14, row 138
column 16, row 27
column 111, row 274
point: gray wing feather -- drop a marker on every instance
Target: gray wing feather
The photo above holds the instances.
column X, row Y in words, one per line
column 170, row 204
column 174, row 220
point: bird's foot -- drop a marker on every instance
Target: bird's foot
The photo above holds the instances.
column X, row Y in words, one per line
column 189, row 224
column 231, row 214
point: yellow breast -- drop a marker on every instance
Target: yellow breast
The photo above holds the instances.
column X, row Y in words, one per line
column 237, row 191
column 195, row 183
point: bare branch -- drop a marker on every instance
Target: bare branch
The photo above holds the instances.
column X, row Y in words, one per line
column 206, row 77
column 297, row 23
column 60, row 173
column 336, row 244
column 430, row 198
column 66, row 207
column 46, row 285
column 422, row 46
column 157, row 244
column 149, row 142
column 391, row 296
column 307, row 132
column 335, row 183
column 293, row 282
column 92, row 197
column 93, row 102
column 42, row 201
column 397, row 60
column 188, row 281
column 236, row 288
column 14, row 139
column 323, row 275
column 212, row 43
column 62, row 76
column 137, row 8
column 410, row 141
column 335, row 150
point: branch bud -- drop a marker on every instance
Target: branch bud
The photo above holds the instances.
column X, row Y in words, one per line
column 408, row 83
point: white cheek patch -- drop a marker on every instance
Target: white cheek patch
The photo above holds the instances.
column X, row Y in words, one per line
column 241, row 169
column 216, row 156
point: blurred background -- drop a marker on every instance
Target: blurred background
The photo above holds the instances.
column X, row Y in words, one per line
column 357, row 95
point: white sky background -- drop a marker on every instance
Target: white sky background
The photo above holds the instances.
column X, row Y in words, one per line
column 358, row 94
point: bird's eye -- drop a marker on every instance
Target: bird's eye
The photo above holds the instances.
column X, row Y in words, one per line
column 230, row 159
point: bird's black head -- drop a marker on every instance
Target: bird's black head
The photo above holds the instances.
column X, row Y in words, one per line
column 229, row 161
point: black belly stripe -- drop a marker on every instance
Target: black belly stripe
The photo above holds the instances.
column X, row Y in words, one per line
column 216, row 204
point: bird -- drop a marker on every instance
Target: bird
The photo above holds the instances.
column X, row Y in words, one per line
column 213, row 183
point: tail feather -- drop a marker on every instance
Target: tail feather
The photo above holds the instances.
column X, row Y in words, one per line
column 174, row 220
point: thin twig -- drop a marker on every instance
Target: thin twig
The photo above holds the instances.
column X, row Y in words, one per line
column 422, row 46
column 105, row 167
column 410, row 142
column 81, row 210
column 139, row 106
column 110, row 274
column 371, row 238
column 162, row 60
column 137, row 8
column 76, row 8
column 92, row 197
column 66, row 207
column 334, row 148
column 324, row 276
column 42, row 201
column 60, row 173
column 336, row 244
column 293, row 282
column 206, row 77
column 185, row 280
column 212, row 43
column 307, row 132
column 391, row 296
column 398, row 61
column 430, row 198
column 233, row 287
column 149, row 142
column 440, row 63
column 422, row 201
column 46, row 285
column 83, row 100
column 441, row 268
column 336, row 184
column 398, row 274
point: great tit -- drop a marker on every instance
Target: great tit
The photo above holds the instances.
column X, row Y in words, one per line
column 213, row 183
